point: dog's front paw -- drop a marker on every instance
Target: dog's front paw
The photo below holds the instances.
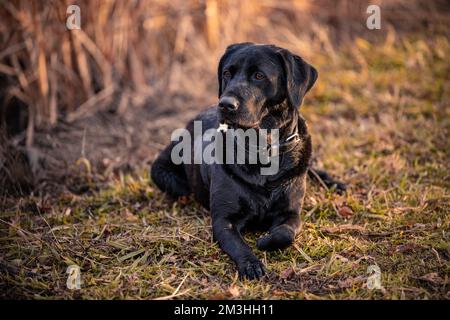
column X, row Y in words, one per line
column 279, row 238
column 251, row 268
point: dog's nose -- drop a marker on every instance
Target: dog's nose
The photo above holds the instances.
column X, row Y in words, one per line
column 228, row 104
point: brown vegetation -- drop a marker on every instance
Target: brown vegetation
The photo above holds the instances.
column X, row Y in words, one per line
column 83, row 111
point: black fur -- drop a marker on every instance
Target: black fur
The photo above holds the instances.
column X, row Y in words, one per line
column 238, row 196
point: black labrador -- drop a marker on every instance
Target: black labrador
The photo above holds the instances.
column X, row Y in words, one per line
column 260, row 87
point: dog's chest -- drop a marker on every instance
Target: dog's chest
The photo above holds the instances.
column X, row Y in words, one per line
column 261, row 207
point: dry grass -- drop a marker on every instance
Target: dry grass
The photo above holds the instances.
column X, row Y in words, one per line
column 379, row 117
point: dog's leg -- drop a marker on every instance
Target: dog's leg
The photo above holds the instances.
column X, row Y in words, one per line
column 230, row 241
column 323, row 177
column 281, row 235
column 169, row 177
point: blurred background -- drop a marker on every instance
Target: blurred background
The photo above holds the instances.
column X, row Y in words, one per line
column 110, row 92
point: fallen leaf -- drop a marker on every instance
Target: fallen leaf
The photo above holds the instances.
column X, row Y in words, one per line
column 432, row 277
column 287, row 273
column 409, row 247
column 277, row 292
column 183, row 235
column 128, row 215
column 349, row 282
column 218, row 296
column 183, row 200
column 345, row 212
column 234, row 291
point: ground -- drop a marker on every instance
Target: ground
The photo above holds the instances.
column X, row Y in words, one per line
column 379, row 117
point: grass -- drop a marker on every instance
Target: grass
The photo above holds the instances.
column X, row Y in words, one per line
column 380, row 119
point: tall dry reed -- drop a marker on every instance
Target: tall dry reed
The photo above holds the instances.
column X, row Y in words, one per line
column 128, row 50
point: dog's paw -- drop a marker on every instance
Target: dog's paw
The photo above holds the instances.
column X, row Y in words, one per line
column 251, row 269
column 279, row 238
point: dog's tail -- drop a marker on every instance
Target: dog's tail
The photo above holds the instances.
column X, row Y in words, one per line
column 326, row 180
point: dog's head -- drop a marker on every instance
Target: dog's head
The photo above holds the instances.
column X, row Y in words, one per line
column 258, row 80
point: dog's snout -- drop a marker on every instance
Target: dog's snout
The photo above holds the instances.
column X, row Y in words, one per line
column 228, row 103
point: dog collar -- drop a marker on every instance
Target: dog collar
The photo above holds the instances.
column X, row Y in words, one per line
column 274, row 150
column 288, row 144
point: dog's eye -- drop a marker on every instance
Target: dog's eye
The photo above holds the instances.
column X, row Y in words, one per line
column 226, row 74
column 259, row 75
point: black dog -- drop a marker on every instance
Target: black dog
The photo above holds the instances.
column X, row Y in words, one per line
column 261, row 87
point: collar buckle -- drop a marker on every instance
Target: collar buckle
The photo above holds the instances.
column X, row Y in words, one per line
column 292, row 136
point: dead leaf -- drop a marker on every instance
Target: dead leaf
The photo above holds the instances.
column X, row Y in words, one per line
column 183, row 235
column 234, row 291
column 432, row 277
column 128, row 215
column 409, row 247
column 218, row 296
column 345, row 211
column 277, row 292
column 287, row 273
column 350, row 282
column 183, row 200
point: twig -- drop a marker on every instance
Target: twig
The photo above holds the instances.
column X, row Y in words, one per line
column 175, row 293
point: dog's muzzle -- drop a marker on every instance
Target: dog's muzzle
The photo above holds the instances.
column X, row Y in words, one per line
column 228, row 104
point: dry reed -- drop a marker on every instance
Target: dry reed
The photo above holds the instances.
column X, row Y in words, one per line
column 133, row 49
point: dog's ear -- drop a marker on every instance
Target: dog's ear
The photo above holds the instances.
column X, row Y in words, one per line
column 300, row 77
column 231, row 49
